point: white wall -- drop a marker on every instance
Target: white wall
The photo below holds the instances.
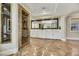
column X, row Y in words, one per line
column 12, row 47
column 62, row 10
column 51, row 33
column 63, row 33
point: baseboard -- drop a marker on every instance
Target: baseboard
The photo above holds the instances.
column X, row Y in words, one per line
column 63, row 40
column 44, row 38
column 69, row 38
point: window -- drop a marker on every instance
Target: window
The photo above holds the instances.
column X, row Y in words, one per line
column 74, row 24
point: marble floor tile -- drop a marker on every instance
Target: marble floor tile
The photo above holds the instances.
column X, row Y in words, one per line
column 42, row 47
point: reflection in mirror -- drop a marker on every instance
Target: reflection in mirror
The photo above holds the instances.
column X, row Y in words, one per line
column 45, row 24
column 35, row 24
column 50, row 24
column 6, row 22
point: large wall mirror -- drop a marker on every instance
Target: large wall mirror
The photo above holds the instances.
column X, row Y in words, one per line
column 45, row 24
column 6, row 22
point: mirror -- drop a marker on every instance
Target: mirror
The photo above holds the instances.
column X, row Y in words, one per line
column 45, row 24
column 6, row 22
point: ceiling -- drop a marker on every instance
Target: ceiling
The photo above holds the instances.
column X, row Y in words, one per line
column 55, row 9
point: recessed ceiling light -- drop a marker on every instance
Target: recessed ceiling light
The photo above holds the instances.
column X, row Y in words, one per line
column 44, row 12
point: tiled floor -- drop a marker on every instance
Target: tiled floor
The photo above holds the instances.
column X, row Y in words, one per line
column 44, row 47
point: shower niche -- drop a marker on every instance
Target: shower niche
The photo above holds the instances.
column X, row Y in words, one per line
column 5, row 22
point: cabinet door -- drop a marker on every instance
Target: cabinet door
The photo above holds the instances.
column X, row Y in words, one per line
column 5, row 22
